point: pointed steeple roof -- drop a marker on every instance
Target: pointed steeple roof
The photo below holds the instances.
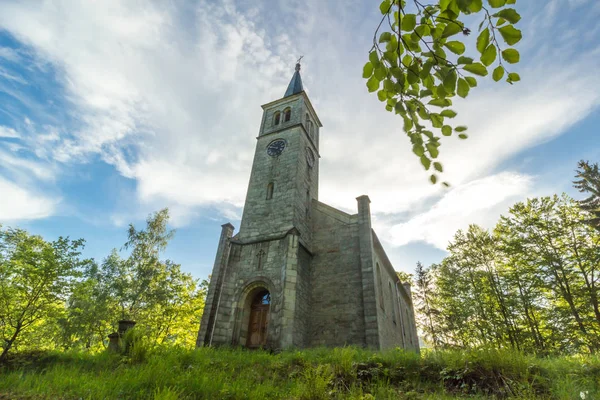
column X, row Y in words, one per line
column 295, row 85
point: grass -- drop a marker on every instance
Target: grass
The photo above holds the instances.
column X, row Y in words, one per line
column 343, row 373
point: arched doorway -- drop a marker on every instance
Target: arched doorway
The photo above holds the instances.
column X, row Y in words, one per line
column 259, row 319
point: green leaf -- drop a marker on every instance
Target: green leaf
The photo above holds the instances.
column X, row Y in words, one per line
column 438, row 166
column 511, row 56
column 367, row 70
column 433, row 179
column 446, row 184
column 373, row 84
column 423, row 30
column 511, row 1
column 450, row 81
column 440, row 102
column 463, row 88
column 385, row 37
column 461, row 128
column 475, row 68
column 498, row 73
column 380, row 73
column 446, row 130
column 500, row 22
column 497, row 3
column 388, row 85
column 455, row 46
column 483, row 40
column 475, row 6
column 436, row 120
column 489, row 55
column 382, row 95
column 385, row 6
column 412, row 75
column 513, row 77
column 510, row 34
column 409, row 21
column 451, row 29
column 471, row 81
column 509, row 14
column 418, row 150
column 432, row 149
column 464, row 60
column 426, row 162
column 374, row 58
column 408, row 124
column 463, row 136
column 399, row 108
column 448, row 113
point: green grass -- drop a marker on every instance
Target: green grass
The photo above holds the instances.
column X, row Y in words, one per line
column 345, row 373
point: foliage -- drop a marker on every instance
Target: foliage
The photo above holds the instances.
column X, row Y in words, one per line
column 418, row 64
column 531, row 285
column 588, row 181
column 35, row 277
column 50, row 298
column 348, row 373
column 165, row 302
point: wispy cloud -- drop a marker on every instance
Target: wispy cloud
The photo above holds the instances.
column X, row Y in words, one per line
column 170, row 96
column 18, row 203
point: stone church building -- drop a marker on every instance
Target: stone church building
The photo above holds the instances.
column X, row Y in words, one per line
column 300, row 273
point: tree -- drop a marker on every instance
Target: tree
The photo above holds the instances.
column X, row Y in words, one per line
column 588, row 181
column 412, row 72
column 164, row 301
column 35, row 277
column 425, row 302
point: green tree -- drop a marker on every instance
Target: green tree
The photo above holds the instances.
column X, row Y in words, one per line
column 418, row 64
column 35, row 277
column 165, row 302
column 588, row 181
column 427, row 313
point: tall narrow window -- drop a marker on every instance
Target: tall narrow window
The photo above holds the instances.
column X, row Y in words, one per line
column 307, row 203
column 392, row 303
column 380, row 287
column 270, row 188
column 276, row 118
column 311, row 131
column 287, row 114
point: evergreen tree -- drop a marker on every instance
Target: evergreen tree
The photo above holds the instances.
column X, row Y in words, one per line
column 588, row 181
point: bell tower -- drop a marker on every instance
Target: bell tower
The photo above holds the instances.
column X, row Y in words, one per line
column 285, row 170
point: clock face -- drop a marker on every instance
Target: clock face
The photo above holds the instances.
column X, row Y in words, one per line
column 310, row 157
column 276, row 147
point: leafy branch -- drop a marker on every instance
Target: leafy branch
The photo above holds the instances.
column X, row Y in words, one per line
column 411, row 72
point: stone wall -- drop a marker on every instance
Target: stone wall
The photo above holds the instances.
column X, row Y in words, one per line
column 337, row 316
column 390, row 327
column 242, row 274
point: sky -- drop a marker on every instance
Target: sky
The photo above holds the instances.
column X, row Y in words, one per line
column 111, row 110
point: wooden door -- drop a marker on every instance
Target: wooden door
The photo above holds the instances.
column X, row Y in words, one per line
column 259, row 321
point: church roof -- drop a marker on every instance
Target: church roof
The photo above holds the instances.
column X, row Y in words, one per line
column 295, row 85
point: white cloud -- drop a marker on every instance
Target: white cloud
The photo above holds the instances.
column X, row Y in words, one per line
column 172, row 97
column 6, row 132
column 18, row 203
column 478, row 202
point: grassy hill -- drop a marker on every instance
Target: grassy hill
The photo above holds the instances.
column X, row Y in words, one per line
column 346, row 373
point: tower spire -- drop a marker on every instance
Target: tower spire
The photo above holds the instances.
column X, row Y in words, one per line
column 295, row 85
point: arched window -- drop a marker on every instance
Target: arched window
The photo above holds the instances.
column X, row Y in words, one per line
column 311, row 131
column 270, row 188
column 276, row 118
column 380, row 287
column 287, row 114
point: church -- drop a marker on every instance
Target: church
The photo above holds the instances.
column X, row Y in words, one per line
column 300, row 273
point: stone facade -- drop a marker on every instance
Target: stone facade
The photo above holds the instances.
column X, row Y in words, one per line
column 328, row 278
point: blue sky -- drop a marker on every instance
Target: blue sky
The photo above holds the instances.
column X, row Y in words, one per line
column 112, row 110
